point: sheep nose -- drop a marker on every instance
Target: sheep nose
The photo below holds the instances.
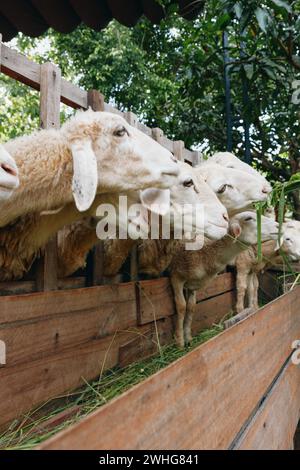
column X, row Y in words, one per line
column 265, row 190
column 9, row 169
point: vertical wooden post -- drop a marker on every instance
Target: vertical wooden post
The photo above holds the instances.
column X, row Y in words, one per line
column 178, row 147
column 134, row 269
column 197, row 158
column 95, row 264
column 50, row 92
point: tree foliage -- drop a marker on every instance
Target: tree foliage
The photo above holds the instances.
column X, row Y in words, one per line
column 172, row 76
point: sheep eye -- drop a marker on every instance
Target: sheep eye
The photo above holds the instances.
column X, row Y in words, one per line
column 222, row 189
column 248, row 219
column 188, row 183
column 120, row 132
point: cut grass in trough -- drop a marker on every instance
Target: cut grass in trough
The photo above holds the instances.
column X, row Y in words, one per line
column 53, row 416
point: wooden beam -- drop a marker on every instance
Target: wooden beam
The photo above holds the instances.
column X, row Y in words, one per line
column 96, row 102
column 202, row 400
column 274, row 424
column 50, row 90
column 17, row 66
column 134, row 268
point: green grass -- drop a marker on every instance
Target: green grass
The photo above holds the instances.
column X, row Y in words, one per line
column 30, row 431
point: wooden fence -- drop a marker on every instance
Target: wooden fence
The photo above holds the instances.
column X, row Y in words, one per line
column 239, row 390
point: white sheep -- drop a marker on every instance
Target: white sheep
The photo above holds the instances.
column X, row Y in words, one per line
column 248, row 267
column 9, row 179
column 31, row 232
column 193, row 270
column 93, row 152
column 236, row 190
column 76, row 241
column 229, row 160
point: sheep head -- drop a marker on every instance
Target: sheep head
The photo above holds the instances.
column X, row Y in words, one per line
column 244, row 227
column 111, row 156
column 290, row 242
column 9, row 180
column 229, row 160
column 191, row 193
column 236, row 189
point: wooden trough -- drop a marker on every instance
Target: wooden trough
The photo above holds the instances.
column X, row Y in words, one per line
column 239, row 390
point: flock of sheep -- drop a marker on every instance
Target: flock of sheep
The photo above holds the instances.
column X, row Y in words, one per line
column 54, row 180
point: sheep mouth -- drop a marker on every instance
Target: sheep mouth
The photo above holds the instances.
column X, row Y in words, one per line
column 7, row 188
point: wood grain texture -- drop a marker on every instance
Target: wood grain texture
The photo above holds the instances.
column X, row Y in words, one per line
column 47, row 324
column 212, row 311
column 50, row 92
column 192, row 404
column 29, row 384
column 156, row 300
column 274, row 425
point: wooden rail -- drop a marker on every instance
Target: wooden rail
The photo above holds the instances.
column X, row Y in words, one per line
column 212, row 397
column 55, row 339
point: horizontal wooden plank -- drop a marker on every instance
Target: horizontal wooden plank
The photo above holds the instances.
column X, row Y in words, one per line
column 28, row 287
column 155, row 300
column 275, row 423
column 192, row 404
column 17, row 66
column 147, row 344
column 27, row 385
column 213, row 310
column 41, row 305
column 223, row 283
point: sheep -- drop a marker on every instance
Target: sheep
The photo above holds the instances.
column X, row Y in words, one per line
column 236, row 189
column 248, row 267
column 9, row 178
column 76, row 241
column 93, row 152
column 193, row 270
column 229, row 160
column 31, row 232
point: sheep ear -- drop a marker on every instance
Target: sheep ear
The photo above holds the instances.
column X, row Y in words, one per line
column 156, row 200
column 235, row 230
column 85, row 174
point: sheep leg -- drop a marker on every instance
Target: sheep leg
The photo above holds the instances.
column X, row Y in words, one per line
column 241, row 286
column 180, row 303
column 191, row 307
column 253, row 298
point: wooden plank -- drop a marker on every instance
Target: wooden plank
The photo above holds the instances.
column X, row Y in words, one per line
column 17, row 66
column 273, row 426
column 134, row 268
column 28, row 385
column 28, row 287
column 212, row 311
column 155, row 300
column 96, row 102
column 192, row 404
column 223, row 283
column 50, row 83
column 147, row 344
column 178, row 150
column 32, row 339
column 42, row 305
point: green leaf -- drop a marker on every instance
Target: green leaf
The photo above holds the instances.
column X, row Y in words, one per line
column 282, row 4
column 263, row 18
column 249, row 70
